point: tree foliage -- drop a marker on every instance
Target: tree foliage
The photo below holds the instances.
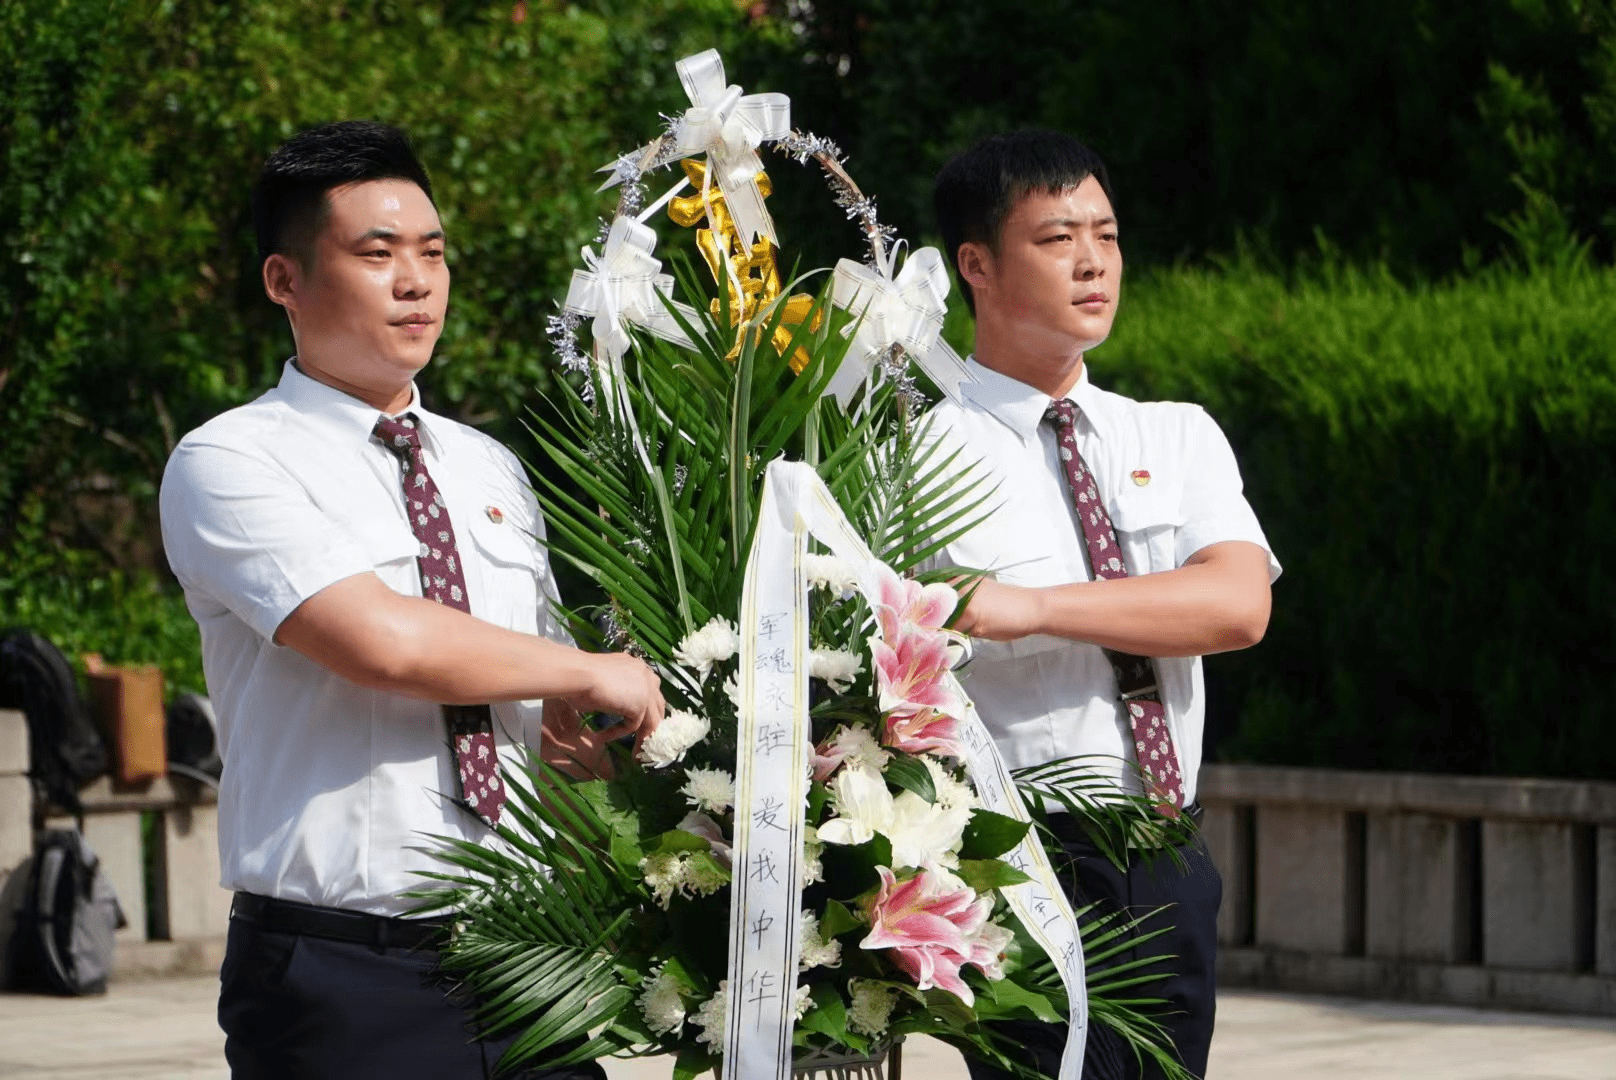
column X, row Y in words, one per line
column 131, row 132
column 1424, row 133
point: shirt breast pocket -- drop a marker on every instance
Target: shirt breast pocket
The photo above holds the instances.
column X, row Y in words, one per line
column 392, row 551
column 507, row 559
column 1147, row 520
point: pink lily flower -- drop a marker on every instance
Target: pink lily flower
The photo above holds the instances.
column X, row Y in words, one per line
column 933, row 923
column 912, row 672
column 903, row 601
column 923, row 731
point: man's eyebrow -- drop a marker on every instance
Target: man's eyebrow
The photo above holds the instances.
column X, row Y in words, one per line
column 382, row 232
column 1074, row 223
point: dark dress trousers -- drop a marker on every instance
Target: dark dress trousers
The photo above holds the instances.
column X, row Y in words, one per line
column 1194, row 891
column 297, row 1007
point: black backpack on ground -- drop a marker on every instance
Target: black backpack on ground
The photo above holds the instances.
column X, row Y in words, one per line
column 65, row 749
column 63, row 937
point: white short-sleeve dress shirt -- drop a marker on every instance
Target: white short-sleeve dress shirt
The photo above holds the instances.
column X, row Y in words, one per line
column 327, row 786
column 1171, row 485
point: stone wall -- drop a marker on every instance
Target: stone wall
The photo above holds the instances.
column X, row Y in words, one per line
column 1466, row 890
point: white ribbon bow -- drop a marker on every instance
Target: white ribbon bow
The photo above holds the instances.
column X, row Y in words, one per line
column 728, row 127
column 623, row 285
column 906, row 310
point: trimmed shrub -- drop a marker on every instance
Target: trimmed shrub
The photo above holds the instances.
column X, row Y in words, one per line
column 1435, row 466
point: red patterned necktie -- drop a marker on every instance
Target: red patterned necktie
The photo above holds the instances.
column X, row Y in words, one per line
column 471, row 728
column 1136, row 675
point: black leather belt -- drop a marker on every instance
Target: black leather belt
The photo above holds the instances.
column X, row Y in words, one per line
column 336, row 924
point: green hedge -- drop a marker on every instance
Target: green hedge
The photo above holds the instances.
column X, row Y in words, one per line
column 1435, row 466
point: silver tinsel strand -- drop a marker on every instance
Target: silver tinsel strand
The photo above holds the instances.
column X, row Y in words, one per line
column 893, row 364
column 803, row 145
column 562, row 330
column 680, row 475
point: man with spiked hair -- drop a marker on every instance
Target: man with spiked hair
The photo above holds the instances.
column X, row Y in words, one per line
column 1121, row 550
column 377, row 632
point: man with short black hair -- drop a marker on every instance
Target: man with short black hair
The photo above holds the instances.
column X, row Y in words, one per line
column 1121, row 551
column 377, row 632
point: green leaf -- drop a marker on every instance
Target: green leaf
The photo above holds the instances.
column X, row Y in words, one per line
column 837, row 920
column 985, row 875
column 911, row 775
column 828, row 1016
column 677, row 840
column 1013, row 998
column 693, row 1061
column 989, row 835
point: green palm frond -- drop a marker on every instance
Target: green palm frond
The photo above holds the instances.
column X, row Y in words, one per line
column 665, row 535
column 1114, row 820
column 1134, row 1019
column 540, row 915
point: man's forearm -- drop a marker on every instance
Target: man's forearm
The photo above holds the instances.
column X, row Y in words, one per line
column 450, row 657
column 1216, row 602
column 1191, row 611
column 373, row 636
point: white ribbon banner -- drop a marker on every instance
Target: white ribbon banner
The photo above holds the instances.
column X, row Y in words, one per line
column 906, row 310
column 728, row 126
column 773, row 744
column 624, row 284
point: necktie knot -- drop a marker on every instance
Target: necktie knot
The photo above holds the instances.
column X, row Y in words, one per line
column 1062, row 413
column 398, row 434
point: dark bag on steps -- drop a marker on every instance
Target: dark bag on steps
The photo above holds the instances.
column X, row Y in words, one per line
column 63, row 937
column 65, row 749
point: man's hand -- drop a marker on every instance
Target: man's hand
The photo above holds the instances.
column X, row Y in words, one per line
column 622, row 685
column 998, row 612
column 572, row 746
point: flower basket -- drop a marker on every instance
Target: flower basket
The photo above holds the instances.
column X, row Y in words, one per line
column 819, row 851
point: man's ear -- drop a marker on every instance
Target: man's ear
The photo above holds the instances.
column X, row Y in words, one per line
column 283, row 280
column 975, row 265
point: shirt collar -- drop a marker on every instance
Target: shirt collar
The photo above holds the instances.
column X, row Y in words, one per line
column 1020, row 407
column 345, row 415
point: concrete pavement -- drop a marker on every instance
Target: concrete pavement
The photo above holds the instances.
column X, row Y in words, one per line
column 163, row 1029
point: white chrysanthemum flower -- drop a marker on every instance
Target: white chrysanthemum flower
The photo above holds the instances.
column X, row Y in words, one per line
column 870, row 1011
column 830, row 572
column 660, row 1003
column 804, row 1001
column 814, row 950
column 704, row 876
column 732, row 690
column 678, row 732
column 712, row 644
column 951, row 793
column 664, row 872
column 856, row 745
column 710, row 1018
column 712, row 790
column 837, row 667
column 813, row 871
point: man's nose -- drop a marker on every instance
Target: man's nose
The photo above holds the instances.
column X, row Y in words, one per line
column 411, row 282
column 1088, row 265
